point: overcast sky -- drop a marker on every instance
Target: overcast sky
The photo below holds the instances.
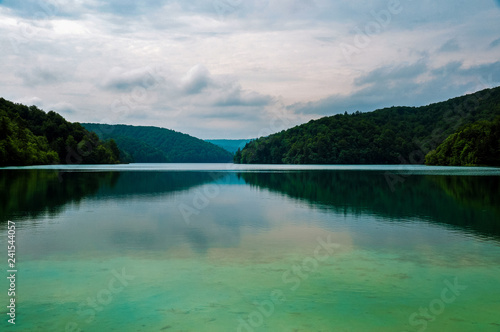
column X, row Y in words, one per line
column 242, row 69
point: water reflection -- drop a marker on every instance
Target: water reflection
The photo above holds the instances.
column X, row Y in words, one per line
column 244, row 235
column 466, row 202
column 471, row 202
column 29, row 194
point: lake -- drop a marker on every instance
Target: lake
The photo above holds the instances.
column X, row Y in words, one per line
column 222, row 247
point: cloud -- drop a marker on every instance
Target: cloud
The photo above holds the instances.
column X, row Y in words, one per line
column 393, row 73
column 196, row 79
column 486, row 75
column 495, row 43
column 409, row 85
column 236, row 96
column 218, row 90
column 64, row 108
column 450, row 46
column 448, row 69
column 37, row 75
column 128, row 8
column 220, row 68
column 43, row 10
column 120, row 79
column 31, row 101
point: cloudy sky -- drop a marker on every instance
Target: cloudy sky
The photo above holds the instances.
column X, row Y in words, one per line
column 242, row 69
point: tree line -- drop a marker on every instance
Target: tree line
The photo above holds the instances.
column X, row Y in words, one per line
column 148, row 144
column 477, row 144
column 30, row 136
column 384, row 136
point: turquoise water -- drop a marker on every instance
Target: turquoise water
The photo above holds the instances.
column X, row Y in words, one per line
column 189, row 247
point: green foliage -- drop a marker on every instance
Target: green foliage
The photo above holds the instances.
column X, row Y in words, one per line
column 29, row 136
column 18, row 145
column 392, row 135
column 477, row 144
column 159, row 145
column 237, row 156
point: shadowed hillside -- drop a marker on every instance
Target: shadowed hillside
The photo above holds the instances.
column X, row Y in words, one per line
column 158, row 145
column 387, row 136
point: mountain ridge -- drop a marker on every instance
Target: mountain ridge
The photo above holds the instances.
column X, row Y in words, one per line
column 392, row 135
column 156, row 145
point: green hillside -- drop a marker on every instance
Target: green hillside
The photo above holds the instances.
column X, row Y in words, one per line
column 231, row 145
column 476, row 144
column 29, row 136
column 387, row 136
column 142, row 144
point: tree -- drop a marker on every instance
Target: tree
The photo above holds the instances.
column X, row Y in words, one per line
column 384, row 136
column 29, row 136
column 237, row 156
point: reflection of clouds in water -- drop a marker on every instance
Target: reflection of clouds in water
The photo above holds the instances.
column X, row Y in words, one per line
column 236, row 223
column 471, row 206
column 280, row 243
column 271, row 211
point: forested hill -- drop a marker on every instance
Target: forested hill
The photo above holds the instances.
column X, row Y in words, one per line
column 29, row 136
column 231, row 145
column 477, row 144
column 143, row 144
column 392, row 135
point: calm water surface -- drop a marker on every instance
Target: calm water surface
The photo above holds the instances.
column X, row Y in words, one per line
column 216, row 247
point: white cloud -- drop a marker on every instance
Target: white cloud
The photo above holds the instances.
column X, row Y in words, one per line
column 125, row 80
column 63, row 108
column 220, row 71
column 196, row 79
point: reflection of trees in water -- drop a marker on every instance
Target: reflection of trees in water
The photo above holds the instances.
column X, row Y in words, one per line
column 479, row 192
column 152, row 183
column 463, row 201
column 466, row 201
column 31, row 193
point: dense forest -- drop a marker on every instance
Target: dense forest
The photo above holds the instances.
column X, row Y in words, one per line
column 476, row 144
column 142, row 144
column 392, row 135
column 29, row 136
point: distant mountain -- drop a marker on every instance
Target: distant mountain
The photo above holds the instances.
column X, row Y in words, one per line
column 142, row 144
column 29, row 136
column 231, row 145
column 392, row 135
